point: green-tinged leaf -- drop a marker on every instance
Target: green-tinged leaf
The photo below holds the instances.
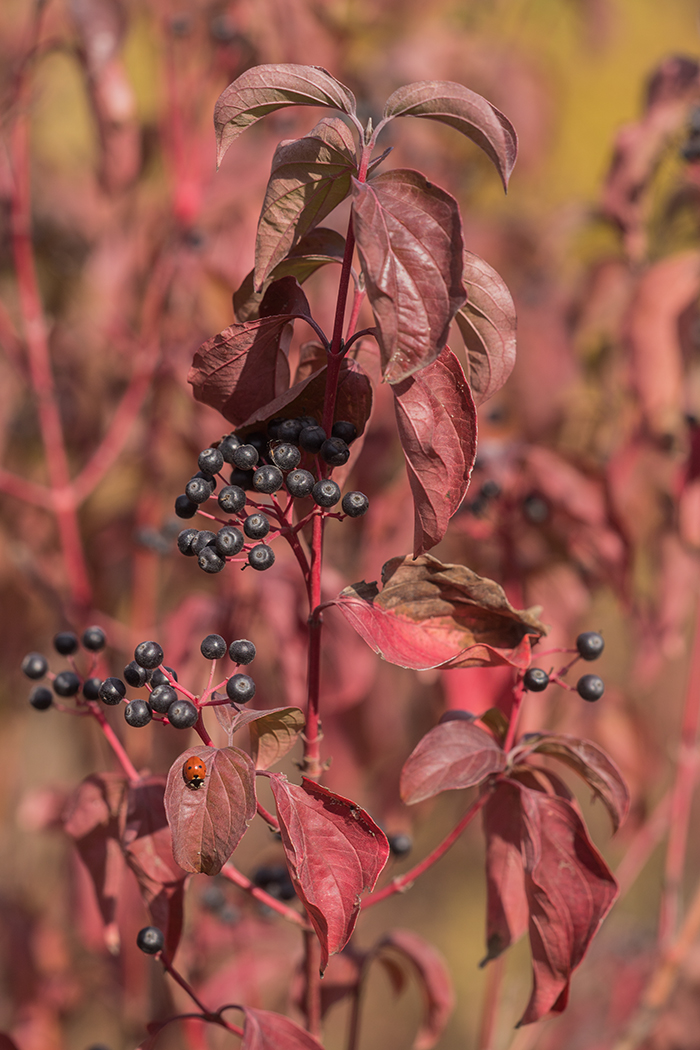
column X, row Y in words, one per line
column 273, row 733
column 264, row 89
column 487, row 325
column 310, row 177
column 465, row 111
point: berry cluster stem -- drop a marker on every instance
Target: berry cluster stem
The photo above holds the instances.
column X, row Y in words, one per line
column 115, row 744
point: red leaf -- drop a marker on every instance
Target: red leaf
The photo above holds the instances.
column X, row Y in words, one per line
column 264, row 89
column 507, row 911
column 335, row 852
column 463, row 110
column 265, row 1030
column 433, row 978
column 273, row 732
column 92, row 821
column 568, row 886
column 148, row 849
column 454, row 754
column 310, row 177
column 434, row 615
column 6, row 1043
column 436, row 418
column 487, row 324
column 353, row 401
column 590, row 762
column 207, row 824
column 318, row 248
column 409, row 238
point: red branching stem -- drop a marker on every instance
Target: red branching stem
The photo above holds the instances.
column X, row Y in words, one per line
column 518, row 697
column 210, row 1015
column 402, row 882
column 27, row 491
column 239, row 879
column 114, row 742
column 681, row 799
column 312, row 735
column 200, row 728
column 37, row 342
column 267, row 816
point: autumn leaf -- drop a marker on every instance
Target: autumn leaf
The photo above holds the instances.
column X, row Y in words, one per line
column 487, row 325
column 454, row 754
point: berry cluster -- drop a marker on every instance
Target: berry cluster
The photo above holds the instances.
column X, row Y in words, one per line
column 264, row 464
column 167, row 700
column 590, row 687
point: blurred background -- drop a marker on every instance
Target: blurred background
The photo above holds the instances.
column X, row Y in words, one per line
column 585, row 499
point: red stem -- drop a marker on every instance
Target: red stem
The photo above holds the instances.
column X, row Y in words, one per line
column 267, row 816
column 518, row 697
column 312, row 736
column 115, row 744
column 240, row 880
column 402, row 882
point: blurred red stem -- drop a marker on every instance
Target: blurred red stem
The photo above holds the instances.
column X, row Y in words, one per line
column 115, row 744
column 518, row 697
column 267, row 816
column 240, row 880
column 312, row 734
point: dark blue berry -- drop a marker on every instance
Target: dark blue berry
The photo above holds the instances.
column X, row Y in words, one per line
column 162, row 698
column 91, row 688
column 138, row 713
column 135, row 675
column 35, row 665
column 300, row 483
column 204, row 538
column 65, row 643
column 242, row 478
column 344, row 430
column 229, row 541
column 41, row 698
column 258, row 440
column 210, row 561
column 184, row 507
column 261, row 557
column 312, row 438
column 242, row 651
column 285, row 456
column 213, row 647
column 326, row 493
column 185, row 540
column 275, row 880
column 400, row 844
column 355, row 504
column 94, row 639
column 182, row 714
column 150, row 940
column 268, row 479
column 590, row 687
column 335, row 452
column 590, row 645
column 227, row 446
column 232, row 499
column 148, row 655
column 245, row 457
column 198, row 490
column 273, row 427
column 159, row 678
column 112, row 691
column 256, row 526
column 210, row 460
column 240, row 688
column 66, row 683
column 535, row 679
column 289, row 430
column 535, row 509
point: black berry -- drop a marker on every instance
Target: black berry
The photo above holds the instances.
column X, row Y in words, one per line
column 285, row 456
column 138, row 713
column 159, row 678
column 184, row 507
column 213, row 647
column 162, row 698
column 112, row 691
column 300, row 483
column 135, row 675
column 227, row 446
column 210, row 561
column 535, row 509
column 308, row 421
column 326, row 493
column 535, row 679
column 65, row 643
column 400, row 845
column 456, row 714
column 229, row 541
column 240, row 688
column 344, row 430
column 258, row 440
column 66, row 683
column 312, row 438
column 355, row 504
column 275, row 880
column 150, row 940
column 232, row 499
column 198, row 490
column 590, row 687
column 91, row 688
column 204, row 538
column 268, row 479
column 185, row 540
column 211, row 460
column 289, row 430
column 242, row 651
column 35, row 665
column 590, row 645
column 273, row 427
column 245, row 457
column 148, row 655
column 182, row 714
column 242, row 478
column 261, row 557
column 256, row 526
column 335, row 452
column 94, row 639
column 40, row 698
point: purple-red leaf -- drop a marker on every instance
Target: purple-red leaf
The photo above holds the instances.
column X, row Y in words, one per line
column 590, row 762
column 264, row 89
column 433, row 979
column 335, row 852
column 265, row 1030
column 208, row 823
column 568, row 886
column 454, row 754
column 409, row 238
column 434, row 615
column 487, row 325
column 436, row 417
column 318, row 248
column 310, row 177
column 353, row 400
column 463, row 110
column 273, row 732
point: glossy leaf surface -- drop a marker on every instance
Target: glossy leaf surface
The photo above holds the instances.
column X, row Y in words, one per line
column 455, row 754
column 487, row 324
column 436, row 417
column 409, row 238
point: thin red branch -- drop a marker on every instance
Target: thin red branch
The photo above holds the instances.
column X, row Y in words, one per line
column 239, row 879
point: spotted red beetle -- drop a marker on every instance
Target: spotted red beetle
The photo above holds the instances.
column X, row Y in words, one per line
column 194, row 772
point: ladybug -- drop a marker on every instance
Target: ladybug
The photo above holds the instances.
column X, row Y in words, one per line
column 194, row 772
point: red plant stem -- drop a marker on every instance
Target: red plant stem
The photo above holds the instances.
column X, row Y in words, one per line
column 681, row 799
column 518, row 697
column 402, row 882
column 312, row 996
column 239, row 879
column 489, row 1009
column 115, row 744
column 210, row 1015
column 267, row 816
column 36, row 335
column 354, row 1025
column 200, row 728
